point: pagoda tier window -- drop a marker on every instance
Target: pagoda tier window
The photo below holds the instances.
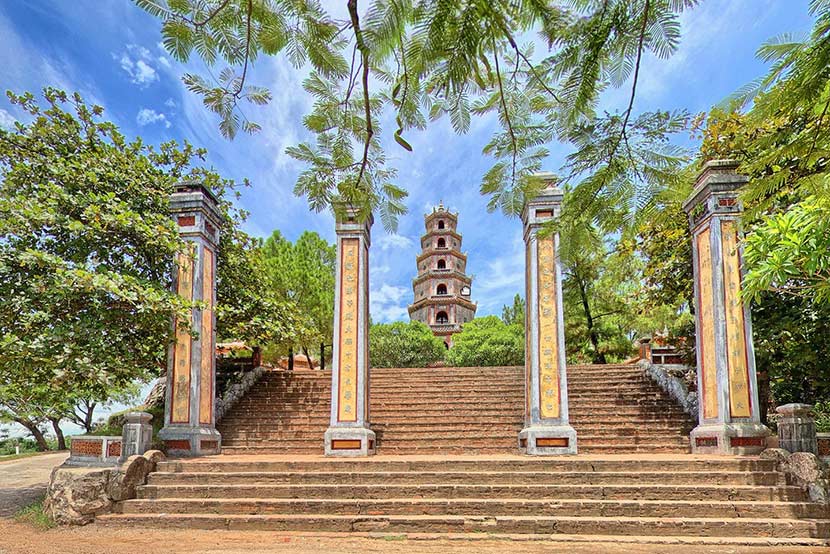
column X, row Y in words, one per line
column 442, row 264
column 442, row 243
column 441, row 224
column 442, row 289
column 441, row 317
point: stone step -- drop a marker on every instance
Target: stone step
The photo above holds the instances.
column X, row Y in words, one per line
column 480, row 507
column 554, row 525
column 252, row 422
column 463, row 426
column 427, row 489
column 486, row 464
column 630, row 478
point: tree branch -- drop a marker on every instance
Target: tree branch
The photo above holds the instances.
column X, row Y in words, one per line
column 364, row 53
column 506, row 114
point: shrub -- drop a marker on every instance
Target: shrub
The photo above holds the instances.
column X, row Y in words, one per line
column 488, row 341
column 402, row 344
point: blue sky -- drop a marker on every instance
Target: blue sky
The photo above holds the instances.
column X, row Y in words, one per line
column 109, row 51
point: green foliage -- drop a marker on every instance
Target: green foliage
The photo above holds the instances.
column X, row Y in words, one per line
column 488, row 341
column 35, row 516
column 302, row 275
column 86, row 253
column 782, row 142
column 249, row 307
column 416, row 61
column 822, row 414
column 515, row 314
column 402, row 344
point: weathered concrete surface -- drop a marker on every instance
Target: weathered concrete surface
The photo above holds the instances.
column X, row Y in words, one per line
column 20, row 539
column 23, row 481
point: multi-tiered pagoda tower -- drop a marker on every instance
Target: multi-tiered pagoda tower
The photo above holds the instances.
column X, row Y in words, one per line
column 442, row 288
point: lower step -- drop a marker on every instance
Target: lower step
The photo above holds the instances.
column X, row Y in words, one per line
column 688, row 527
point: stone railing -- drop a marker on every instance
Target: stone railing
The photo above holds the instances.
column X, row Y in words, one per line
column 235, row 391
column 669, row 377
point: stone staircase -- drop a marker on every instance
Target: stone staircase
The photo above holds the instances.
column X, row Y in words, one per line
column 647, row 498
column 447, row 463
column 614, row 408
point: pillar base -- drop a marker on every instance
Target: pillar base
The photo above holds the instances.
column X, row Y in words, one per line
column 350, row 442
column 186, row 441
column 547, row 440
column 737, row 439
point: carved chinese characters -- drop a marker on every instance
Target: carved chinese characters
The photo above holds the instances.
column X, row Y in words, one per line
column 206, row 339
column 548, row 352
column 348, row 330
column 739, row 396
column 706, row 320
column 181, row 356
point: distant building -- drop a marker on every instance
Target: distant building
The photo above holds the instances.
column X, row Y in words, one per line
column 442, row 287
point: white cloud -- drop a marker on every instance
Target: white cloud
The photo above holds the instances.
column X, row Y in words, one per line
column 386, row 242
column 170, row 103
column 388, row 303
column 137, row 63
column 7, row 120
column 164, row 61
column 147, row 116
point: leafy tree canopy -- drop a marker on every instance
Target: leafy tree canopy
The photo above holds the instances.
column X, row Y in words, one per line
column 402, row 344
column 488, row 341
column 416, row 61
column 782, row 142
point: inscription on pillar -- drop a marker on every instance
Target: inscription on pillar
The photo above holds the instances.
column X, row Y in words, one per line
column 181, row 355
column 548, row 333
column 706, row 319
column 206, row 338
column 349, row 287
column 739, row 396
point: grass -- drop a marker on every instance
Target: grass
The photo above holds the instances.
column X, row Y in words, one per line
column 12, row 457
column 35, row 516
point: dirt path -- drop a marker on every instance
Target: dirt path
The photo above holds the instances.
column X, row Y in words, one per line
column 23, row 481
column 16, row 538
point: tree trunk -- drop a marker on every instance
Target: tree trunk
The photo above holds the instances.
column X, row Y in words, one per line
column 256, row 357
column 290, row 359
column 599, row 357
column 322, row 356
column 36, row 433
column 308, row 358
column 88, row 419
column 56, row 426
column 763, row 394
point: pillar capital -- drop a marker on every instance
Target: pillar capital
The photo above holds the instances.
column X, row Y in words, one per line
column 716, row 192
column 196, row 211
column 547, row 430
column 348, row 220
column 189, row 415
column 729, row 417
column 545, row 206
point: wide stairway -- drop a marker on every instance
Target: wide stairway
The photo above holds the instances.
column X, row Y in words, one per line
column 614, row 409
column 447, row 463
column 647, row 498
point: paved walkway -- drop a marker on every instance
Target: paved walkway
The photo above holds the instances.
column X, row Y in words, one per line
column 23, row 481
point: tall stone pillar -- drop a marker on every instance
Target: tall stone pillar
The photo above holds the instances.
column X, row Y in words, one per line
column 729, row 417
column 189, row 419
column 348, row 433
column 547, row 430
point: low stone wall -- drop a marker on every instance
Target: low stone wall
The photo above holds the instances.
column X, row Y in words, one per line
column 76, row 495
column 92, row 450
column 823, row 444
column 236, row 391
column 803, row 469
column 670, row 378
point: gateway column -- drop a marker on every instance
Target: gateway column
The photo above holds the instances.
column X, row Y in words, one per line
column 729, row 418
column 349, row 433
column 547, row 430
column 189, row 419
